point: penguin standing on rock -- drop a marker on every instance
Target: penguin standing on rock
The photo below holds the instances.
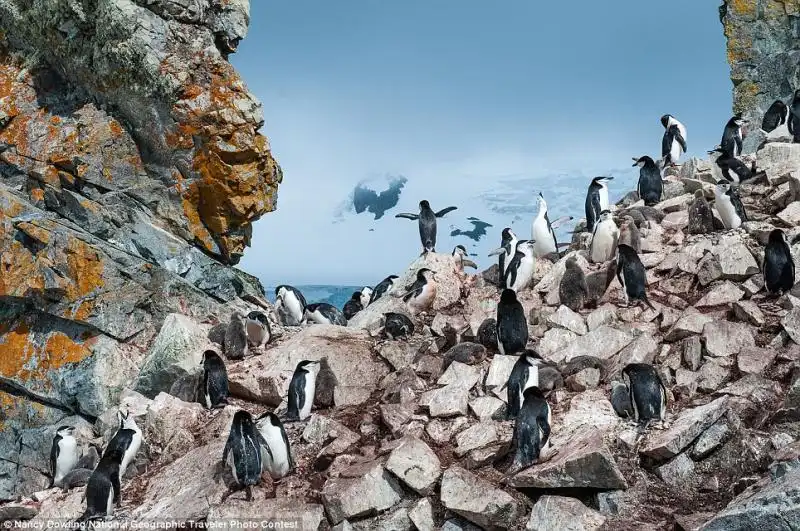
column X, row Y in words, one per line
column 324, row 313
column 382, row 288
column 542, row 233
column 596, row 201
column 290, row 305
column 215, row 381
column 734, row 170
column 524, row 375
column 647, row 393
column 236, row 344
column 731, row 143
column 126, row 441
column 242, row 454
column 701, row 219
column 366, row 295
column 650, row 186
column 729, row 206
column 794, row 117
column 604, row 239
column 460, row 258
column 397, row 325
column 778, row 266
column 277, row 456
column 422, row 292
column 673, row 145
column 352, row 306
column 258, row 330
column 427, row 224
column 508, row 245
column 103, row 488
column 302, row 389
column 63, row 454
column 520, row 270
column 573, row 292
column 531, row 430
column 776, row 116
column 632, row 276
column 512, row 326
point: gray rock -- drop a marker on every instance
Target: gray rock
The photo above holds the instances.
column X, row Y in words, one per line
column 713, row 374
column 18, row 512
column 477, row 436
column 559, row 513
column 565, row 318
column 692, row 352
column 676, row 203
column 677, row 472
column 749, row 312
column 321, row 430
column 422, row 515
column 708, row 269
column 605, row 341
column 791, row 323
column 691, row 323
column 755, row 360
column 305, row 515
column 460, row 374
column 778, row 159
column 735, row 260
column 601, row 316
column 364, row 490
column 441, row 431
column 486, row 407
column 478, row 500
column 397, row 520
column 689, row 425
column 396, row 416
column 724, row 338
column 715, row 436
column 754, row 284
column 554, row 340
column 724, row 293
column 448, row 401
column 499, row 371
column 168, row 425
column 415, row 464
column 583, row 380
column 791, row 214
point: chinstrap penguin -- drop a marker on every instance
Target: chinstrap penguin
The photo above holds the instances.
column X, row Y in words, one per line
column 730, row 207
column 427, row 224
column 731, row 143
column 259, row 332
column 290, row 305
column 776, row 116
column 460, row 257
column 242, row 454
column 366, row 295
column 604, row 238
column 324, row 313
column 631, row 275
column 508, row 245
column 277, row 457
column 397, row 325
column 701, row 219
column 524, row 374
column 673, row 145
column 531, row 430
column 301, row 390
column 778, row 265
column 512, row 325
column 63, row 454
column 647, row 393
column 573, row 292
column 103, row 488
column 236, row 343
column 352, row 306
column 522, row 267
column 382, row 288
column 650, row 186
column 596, row 201
column 422, row 292
column 126, row 441
column 542, row 233
column 215, row 380
column 732, row 169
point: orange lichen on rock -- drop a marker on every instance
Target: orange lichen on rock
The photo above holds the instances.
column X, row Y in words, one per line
column 85, row 268
column 17, row 349
column 61, row 350
column 37, row 194
column 23, row 359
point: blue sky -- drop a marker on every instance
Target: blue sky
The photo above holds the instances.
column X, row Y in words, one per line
column 471, row 101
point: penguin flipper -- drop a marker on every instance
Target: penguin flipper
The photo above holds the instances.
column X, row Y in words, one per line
column 444, row 211
column 679, row 138
column 407, row 216
column 469, row 263
column 545, row 429
column 288, row 448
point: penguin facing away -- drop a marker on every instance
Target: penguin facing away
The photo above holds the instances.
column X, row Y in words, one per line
column 604, row 238
column 596, row 201
column 650, row 186
column 778, row 265
column 531, row 430
column 522, row 267
column 632, row 276
column 242, row 453
column 701, row 219
column 277, row 457
column 290, row 304
column 731, row 143
column 647, row 393
column 236, row 344
column 352, row 306
column 776, row 116
column 301, row 390
column 397, row 325
column 382, row 288
column 324, row 313
column 729, row 206
column 629, row 233
column 103, row 488
column 258, row 330
column 215, row 381
column 524, row 374
column 512, row 326
column 542, row 233
column 422, row 292
column 427, row 224
column 573, row 292
column 63, row 454
column 794, row 117
column 673, row 145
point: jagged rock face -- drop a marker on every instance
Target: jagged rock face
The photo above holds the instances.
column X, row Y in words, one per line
column 131, row 170
column 764, row 55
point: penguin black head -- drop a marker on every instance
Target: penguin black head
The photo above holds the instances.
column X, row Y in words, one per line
column 392, row 277
column 531, row 355
column 460, row 249
column 307, row 364
column 797, row 95
column 269, row 416
column 777, row 236
column 242, row 419
column 737, row 121
column 65, row 430
column 426, row 274
column 257, row 316
column 508, row 234
column 723, row 187
column 665, row 120
column 540, row 202
column 600, row 181
column 605, row 215
column 508, row 296
column 534, row 392
column 356, row 296
column 209, row 355
column 643, row 161
column 424, row 204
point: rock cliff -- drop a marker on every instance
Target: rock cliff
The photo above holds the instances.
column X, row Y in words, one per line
column 764, row 55
column 131, row 171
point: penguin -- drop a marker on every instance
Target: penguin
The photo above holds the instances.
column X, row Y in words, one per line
column 290, row 305
column 126, row 441
column 729, row 206
column 421, row 294
column 487, row 333
column 731, row 143
column 573, row 292
column 63, row 454
column 604, row 238
column 673, row 145
column 508, row 245
column 352, row 306
column 650, row 186
column 242, row 453
column 512, row 326
column 215, row 380
column 701, row 219
column 277, row 459
column 732, row 169
column 776, row 116
column 258, row 330
column 520, row 270
column 531, row 429
column 525, row 374
column 397, row 325
column 648, row 396
column 629, row 234
column 596, row 201
column 324, row 313
column 794, row 117
column 236, row 344
column 460, row 258
column 621, row 400
column 778, row 265
column 427, row 224
column 542, row 232
column 384, row 286
column 366, row 295
column 301, row 390
column 631, row 275
column 103, row 488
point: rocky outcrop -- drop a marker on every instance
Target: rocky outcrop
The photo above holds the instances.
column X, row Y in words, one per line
column 131, row 171
column 763, row 52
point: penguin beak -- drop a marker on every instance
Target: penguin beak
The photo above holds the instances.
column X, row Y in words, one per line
column 497, row 252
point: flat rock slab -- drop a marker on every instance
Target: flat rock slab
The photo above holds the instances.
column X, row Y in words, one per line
column 689, row 425
column 563, row 317
column 478, row 501
column 559, row 513
column 604, row 341
column 725, row 338
column 690, row 323
column 374, row 490
column 415, row 464
column 306, row 515
column 724, row 293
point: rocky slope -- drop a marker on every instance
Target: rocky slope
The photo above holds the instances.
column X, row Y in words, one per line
column 131, row 170
column 411, row 433
column 763, row 51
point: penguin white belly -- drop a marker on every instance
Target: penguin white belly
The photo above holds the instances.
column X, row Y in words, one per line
column 208, row 400
column 603, row 198
column 532, row 381
column 675, row 151
column 310, row 389
column 67, row 458
column 232, row 464
column 110, row 503
column 130, row 453
column 730, row 218
column 318, row 318
column 425, row 298
column 602, row 246
column 278, row 464
column 544, row 243
column 524, row 273
column 256, row 333
column 293, row 306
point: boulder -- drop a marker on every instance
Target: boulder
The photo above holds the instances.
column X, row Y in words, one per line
column 724, row 293
column 725, row 338
column 749, row 312
column 691, row 323
column 755, row 360
column 284, row 512
column 421, row 515
column 689, row 425
column 486, row 407
column 565, row 318
column 460, row 374
column 559, row 513
column 478, row 500
column 499, row 371
column 362, row 490
column 169, row 424
column 448, row 401
column 477, row 436
column 415, row 464
column 735, row 260
column 604, row 340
